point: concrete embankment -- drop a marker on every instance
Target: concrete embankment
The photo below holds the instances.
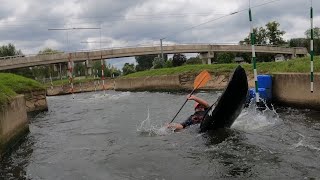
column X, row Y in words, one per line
column 13, row 122
column 13, row 117
column 96, row 85
column 293, row 89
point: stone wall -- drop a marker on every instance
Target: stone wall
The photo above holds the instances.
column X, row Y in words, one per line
column 13, row 122
column 294, row 89
column 36, row 101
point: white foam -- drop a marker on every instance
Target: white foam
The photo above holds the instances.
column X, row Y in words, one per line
column 148, row 128
column 252, row 119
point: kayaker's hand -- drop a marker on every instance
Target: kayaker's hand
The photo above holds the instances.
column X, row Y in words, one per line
column 190, row 97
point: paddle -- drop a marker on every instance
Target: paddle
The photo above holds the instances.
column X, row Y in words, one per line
column 200, row 81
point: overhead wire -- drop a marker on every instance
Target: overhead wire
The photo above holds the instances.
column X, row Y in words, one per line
column 212, row 20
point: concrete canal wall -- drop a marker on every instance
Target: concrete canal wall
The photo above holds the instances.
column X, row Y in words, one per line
column 13, row 117
column 13, row 122
column 293, row 89
column 96, row 85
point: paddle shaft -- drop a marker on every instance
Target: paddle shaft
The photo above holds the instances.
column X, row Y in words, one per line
column 186, row 101
column 182, row 107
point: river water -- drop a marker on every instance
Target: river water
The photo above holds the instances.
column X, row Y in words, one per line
column 118, row 135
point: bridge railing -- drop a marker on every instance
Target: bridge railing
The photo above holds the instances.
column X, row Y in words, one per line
column 141, row 45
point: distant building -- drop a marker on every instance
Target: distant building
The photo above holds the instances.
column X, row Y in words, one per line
column 279, row 57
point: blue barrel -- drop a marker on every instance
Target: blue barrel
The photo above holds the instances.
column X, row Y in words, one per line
column 264, row 88
column 265, row 81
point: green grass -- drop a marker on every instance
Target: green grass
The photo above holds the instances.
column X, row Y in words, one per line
column 299, row 65
column 11, row 84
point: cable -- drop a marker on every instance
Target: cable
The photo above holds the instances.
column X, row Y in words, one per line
column 233, row 13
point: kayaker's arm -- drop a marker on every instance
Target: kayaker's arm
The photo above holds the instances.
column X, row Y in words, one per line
column 199, row 100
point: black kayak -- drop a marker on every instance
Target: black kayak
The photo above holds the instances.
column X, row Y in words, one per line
column 230, row 103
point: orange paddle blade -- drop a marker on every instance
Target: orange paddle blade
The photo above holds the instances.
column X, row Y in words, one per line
column 201, row 79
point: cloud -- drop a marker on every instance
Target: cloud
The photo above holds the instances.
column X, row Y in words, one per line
column 141, row 22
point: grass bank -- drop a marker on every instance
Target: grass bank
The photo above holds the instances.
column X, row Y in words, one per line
column 11, row 84
column 299, row 65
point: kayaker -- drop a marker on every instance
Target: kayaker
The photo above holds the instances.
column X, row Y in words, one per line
column 200, row 108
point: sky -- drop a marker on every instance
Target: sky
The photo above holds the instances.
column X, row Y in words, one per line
column 122, row 23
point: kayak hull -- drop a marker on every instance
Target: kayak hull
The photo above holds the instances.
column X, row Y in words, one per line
column 230, row 103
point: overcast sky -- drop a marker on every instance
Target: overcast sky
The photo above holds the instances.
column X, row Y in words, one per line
column 143, row 22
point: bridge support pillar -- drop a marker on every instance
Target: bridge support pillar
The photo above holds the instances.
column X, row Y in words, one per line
column 89, row 67
column 207, row 57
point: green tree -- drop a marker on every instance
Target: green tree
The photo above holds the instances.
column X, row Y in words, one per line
column 128, row 68
column 225, row 57
column 158, row 63
column 194, row 60
column 9, row 50
column 79, row 69
column 274, row 34
column 48, row 51
column 144, row 62
column 269, row 35
column 316, row 33
column 178, row 59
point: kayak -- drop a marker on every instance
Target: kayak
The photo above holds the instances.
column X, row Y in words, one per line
column 230, row 103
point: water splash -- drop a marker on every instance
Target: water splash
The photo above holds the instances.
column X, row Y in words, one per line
column 254, row 118
column 149, row 129
column 303, row 143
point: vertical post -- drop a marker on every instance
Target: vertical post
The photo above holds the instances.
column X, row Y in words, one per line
column 60, row 71
column 311, row 49
column 161, row 49
column 102, row 74
column 252, row 37
column 70, row 67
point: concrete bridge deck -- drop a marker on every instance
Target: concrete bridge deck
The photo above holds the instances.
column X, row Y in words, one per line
column 28, row 61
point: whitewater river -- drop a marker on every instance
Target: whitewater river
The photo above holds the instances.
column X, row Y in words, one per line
column 118, row 136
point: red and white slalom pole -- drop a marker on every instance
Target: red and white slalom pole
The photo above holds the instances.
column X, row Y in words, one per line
column 70, row 72
column 102, row 75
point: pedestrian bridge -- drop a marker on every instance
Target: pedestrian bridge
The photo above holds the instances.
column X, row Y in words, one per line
column 35, row 60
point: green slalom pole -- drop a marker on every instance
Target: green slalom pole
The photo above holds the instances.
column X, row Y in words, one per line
column 252, row 37
column 311, row 49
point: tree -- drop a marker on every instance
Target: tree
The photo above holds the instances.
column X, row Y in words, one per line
column 274, row 34
column 144, row 62
column 48, row 51
column 225, row 57
column 316, row 33
column 79, row 69
column 194, row 60
column 269, row 35
column 158, row 63
column 128, row 68
column 299, row 42
column 178, row 59
column 9, row 50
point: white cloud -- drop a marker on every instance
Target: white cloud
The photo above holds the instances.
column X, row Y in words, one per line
column 142, row 22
